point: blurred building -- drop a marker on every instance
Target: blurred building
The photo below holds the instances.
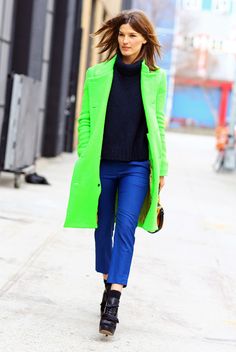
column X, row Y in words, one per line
column 45, row 50
column 199, row 48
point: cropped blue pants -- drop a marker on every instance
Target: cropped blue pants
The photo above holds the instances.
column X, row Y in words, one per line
column 114, row 249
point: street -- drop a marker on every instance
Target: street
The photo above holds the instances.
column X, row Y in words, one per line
column 181, row 295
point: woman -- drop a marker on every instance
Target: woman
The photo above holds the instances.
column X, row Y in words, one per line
column 122, row 154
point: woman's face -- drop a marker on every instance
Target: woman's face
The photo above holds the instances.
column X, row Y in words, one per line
column 130, row 42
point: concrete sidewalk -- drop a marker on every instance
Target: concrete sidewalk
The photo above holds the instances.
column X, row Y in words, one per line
column 182, row 288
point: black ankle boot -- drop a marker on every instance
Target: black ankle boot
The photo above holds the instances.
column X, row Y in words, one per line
column 109, row 317
column 105, row 296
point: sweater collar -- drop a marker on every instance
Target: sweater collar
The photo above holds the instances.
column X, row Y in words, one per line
column 127, row 69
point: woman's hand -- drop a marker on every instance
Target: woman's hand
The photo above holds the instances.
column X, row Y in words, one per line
column 161, row 182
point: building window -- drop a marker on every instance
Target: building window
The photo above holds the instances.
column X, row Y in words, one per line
column 188, row 42
column 223, row 6
column 216, row 45
column 191, row 4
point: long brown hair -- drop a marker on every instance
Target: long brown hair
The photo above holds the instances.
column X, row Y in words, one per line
column 141, row 24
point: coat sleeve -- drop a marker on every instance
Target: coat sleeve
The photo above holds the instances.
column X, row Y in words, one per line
column 160, row 107
column 84, row 120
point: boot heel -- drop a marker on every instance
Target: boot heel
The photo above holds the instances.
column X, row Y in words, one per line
column 106, row 332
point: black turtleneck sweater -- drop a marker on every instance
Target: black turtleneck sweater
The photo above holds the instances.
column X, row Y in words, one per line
column 125, row 127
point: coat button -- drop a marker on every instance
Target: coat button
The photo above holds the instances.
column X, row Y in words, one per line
column 99, row 185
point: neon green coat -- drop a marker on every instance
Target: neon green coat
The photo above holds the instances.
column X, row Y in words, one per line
column 85, row 184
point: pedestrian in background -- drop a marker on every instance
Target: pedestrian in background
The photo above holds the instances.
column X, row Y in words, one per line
column 122, row 153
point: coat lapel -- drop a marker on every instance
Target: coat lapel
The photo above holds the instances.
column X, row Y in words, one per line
column 149, row 84
column 99, row 89
column 100, row 84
